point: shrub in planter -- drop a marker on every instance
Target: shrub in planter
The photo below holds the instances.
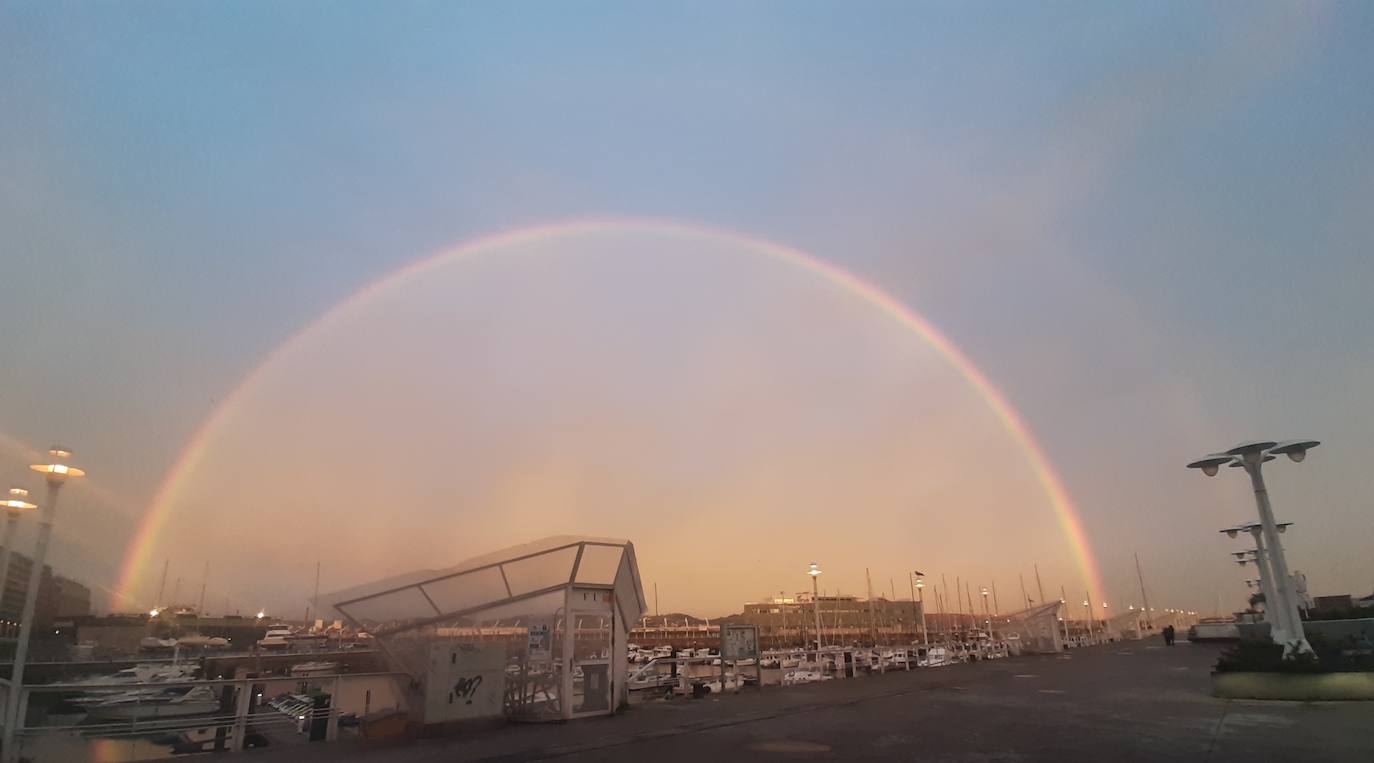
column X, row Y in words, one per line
column 1265, row 657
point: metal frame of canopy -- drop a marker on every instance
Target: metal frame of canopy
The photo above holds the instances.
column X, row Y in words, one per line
column 471, row 588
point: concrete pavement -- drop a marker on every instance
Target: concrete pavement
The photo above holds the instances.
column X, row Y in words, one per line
column 1137, row 701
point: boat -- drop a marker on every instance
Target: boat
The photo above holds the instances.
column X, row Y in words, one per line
column 794, row 677
column 931, row 657
column 277, row 637
column 317, row 668
column 153, row 642
column 146, row 673
column 204, row 642
column 663, row 651
column 141, row 704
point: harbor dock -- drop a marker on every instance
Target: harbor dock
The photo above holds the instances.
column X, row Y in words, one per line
column 1133, row 701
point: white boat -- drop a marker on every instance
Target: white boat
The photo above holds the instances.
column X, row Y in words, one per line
column 140, row 704
column 277, row 637
column 205, row 642
column 703, row 653
column 318, row 668
column 932, row 657
column 794, row 677
column 147, row 673
column 153, row 642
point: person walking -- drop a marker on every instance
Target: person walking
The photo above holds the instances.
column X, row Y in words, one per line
column 1168, row 635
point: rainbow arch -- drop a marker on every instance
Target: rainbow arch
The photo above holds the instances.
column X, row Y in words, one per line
column 138, row 555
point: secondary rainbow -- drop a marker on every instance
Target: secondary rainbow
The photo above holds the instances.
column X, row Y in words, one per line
column 140, row 550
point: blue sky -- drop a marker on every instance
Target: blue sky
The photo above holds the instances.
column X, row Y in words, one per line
column 1149, row 223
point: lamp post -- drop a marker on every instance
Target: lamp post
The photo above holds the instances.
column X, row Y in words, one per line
column 56, row 474
column 15, row 505
column 1266, row 585
column 925, row 634
column 1251, row 456
column 815, row 573
column 987, row 618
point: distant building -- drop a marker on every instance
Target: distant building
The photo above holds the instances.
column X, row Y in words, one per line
column 791, row 620
column 73, row 599
column 57, row 596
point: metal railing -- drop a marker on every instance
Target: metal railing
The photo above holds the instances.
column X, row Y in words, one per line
column 139, row 721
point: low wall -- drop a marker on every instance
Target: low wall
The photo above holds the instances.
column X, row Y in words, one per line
column 1294, row 686
column 1337, row 631
column 1330, row 631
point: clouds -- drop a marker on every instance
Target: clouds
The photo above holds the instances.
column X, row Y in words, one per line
column 1084, row 198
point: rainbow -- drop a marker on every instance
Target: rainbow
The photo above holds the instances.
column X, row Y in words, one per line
column 138, row 555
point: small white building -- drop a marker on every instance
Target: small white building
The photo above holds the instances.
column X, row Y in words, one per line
column 544, row 624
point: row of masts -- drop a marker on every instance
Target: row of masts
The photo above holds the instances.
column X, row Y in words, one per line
column 967, row 597
column 205, row 580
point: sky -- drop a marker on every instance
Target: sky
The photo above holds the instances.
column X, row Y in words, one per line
column 1148, row 225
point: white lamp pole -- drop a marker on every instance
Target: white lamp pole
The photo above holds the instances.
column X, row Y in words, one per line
column 1251, row 457
column 55, row 473
column 925, row 634
column 815, row 573
column 15, row 505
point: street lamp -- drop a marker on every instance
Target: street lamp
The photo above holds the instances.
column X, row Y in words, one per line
column 925, row 634
column 16, row 504
column 1272, row 605
column 815, row 573
column 1251, row 457
column 986, row 617
column 55, row 473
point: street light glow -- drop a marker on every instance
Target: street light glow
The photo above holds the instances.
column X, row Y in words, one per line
column 815, row 570
column 56, row 471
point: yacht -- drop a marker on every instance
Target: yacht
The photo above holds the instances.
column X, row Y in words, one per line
column 141, row 704
column 318, row 668
column 153, row 642
column 144, row 673
column 278, row 637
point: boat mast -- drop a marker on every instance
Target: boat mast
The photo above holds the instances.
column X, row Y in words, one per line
column 162, row 585
column 1144, row 600
column 314, row 600
column 205, row 576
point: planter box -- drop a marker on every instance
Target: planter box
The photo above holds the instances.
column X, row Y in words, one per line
column 1294, row 686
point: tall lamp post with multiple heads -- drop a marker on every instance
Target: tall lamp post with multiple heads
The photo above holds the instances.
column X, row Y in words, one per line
column 1261, row 561
column 15, row 505
column 815, row 573
column 55, row 473
column 987, row 618
column 1251, row 456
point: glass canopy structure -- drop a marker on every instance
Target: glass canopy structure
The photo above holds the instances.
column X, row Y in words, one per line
column 563, row 606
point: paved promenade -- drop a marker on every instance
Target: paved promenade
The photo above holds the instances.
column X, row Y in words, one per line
column 1119, row 702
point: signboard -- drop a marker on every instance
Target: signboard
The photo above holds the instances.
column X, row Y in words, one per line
column 739, row 642
column 465, row 681
column 540, row 643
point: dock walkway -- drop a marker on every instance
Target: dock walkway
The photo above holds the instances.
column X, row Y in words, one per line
column 1120, row 702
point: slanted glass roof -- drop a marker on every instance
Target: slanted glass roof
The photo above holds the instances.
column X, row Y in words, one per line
column 495, row 581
